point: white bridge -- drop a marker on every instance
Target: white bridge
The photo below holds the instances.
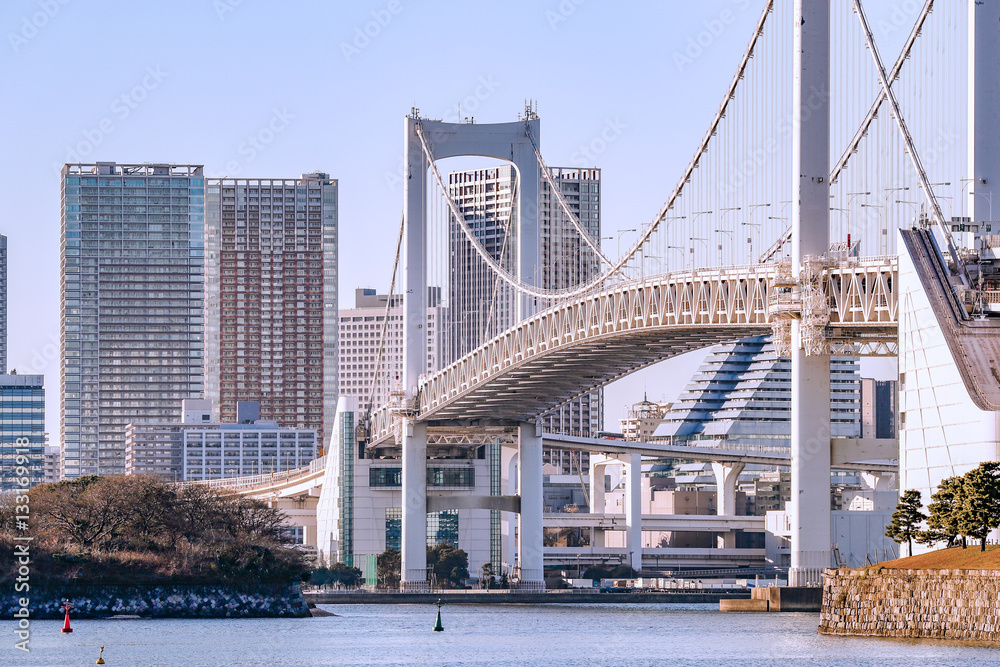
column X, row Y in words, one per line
column 815, row 157
column 570, row 349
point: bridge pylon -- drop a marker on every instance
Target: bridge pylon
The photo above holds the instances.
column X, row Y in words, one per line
column 810, row 239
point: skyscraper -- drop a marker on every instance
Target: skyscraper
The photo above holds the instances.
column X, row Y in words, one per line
column 481, row 306
column 132, row 292
column 3, row 304
column 271, row 294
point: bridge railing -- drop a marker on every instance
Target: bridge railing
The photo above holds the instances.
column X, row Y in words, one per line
column 264, row 480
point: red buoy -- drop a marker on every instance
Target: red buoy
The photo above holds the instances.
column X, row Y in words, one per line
column 66, row 627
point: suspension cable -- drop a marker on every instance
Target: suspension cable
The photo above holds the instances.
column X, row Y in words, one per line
column 918, row 166
column 877, row 104
column 385, row 323
column 557, row 191
column 703, row 147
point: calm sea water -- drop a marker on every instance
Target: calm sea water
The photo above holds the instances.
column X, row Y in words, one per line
column 523, row 635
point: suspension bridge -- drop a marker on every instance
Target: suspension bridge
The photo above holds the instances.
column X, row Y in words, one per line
column 784, row 222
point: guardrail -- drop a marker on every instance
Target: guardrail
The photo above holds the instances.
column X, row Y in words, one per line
column 267, row 479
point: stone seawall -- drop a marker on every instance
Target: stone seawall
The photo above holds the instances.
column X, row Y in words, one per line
column 161, row 601
column 937, row 604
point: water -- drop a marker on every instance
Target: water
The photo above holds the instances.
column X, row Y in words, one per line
column 499, row 635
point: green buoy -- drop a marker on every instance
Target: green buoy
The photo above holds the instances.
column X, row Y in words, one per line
column 437, row 625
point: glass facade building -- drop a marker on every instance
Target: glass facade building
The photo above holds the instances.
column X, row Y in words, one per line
column 132, row 297
column 22, row 430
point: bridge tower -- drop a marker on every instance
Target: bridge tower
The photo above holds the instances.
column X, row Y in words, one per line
column 810, row 239
column 504, row 141
column 983, row 109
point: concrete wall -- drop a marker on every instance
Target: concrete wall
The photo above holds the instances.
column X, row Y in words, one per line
column 942, row 604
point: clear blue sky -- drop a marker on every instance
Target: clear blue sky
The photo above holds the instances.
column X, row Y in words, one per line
column 192, row 81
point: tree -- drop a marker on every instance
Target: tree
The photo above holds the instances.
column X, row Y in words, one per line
column 486, row 576
column 906, row 519
column 389, row 568
column 944, row 519
column 338, row 573
column 981, row 505
column 448, row 563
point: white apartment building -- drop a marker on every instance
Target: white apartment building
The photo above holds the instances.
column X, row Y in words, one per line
column 361, row 342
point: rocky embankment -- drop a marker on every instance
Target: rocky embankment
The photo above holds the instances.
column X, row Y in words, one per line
column 162, row 601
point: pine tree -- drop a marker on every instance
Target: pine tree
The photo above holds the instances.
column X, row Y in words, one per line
column 906, row 519
column 945, row 513
column 981, row 504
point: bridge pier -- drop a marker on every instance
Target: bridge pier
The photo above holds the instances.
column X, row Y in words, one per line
column 632, row 506
column 726, row 474
column 413, row 541
column 633, row 510
column 810, row 240
column 530, row 539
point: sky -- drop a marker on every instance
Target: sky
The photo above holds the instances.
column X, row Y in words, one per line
column 272, row 90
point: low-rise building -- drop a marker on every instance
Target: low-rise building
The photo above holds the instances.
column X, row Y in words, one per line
column 197, row 449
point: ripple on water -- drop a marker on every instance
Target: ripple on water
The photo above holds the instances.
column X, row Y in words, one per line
column 494, row 635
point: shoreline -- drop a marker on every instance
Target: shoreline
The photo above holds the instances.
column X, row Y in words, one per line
column 506, row 597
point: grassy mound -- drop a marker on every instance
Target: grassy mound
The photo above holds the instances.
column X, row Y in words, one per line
column 955, row 558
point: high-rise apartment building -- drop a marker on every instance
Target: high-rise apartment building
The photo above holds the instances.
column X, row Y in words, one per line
column 481, row 306
column 22, row 431
column 271, row 298
column 132, row 292
column 361, row 340
column 879, row 405
column 3, row 303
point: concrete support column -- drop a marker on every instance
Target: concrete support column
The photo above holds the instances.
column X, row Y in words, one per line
column 529, row 545
column 510, row 464
column 810, row 468
column 414, row 524
column 598, row 500
column 633, row 509
column 880, row 481
column 726, row 474
column 810, row 237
